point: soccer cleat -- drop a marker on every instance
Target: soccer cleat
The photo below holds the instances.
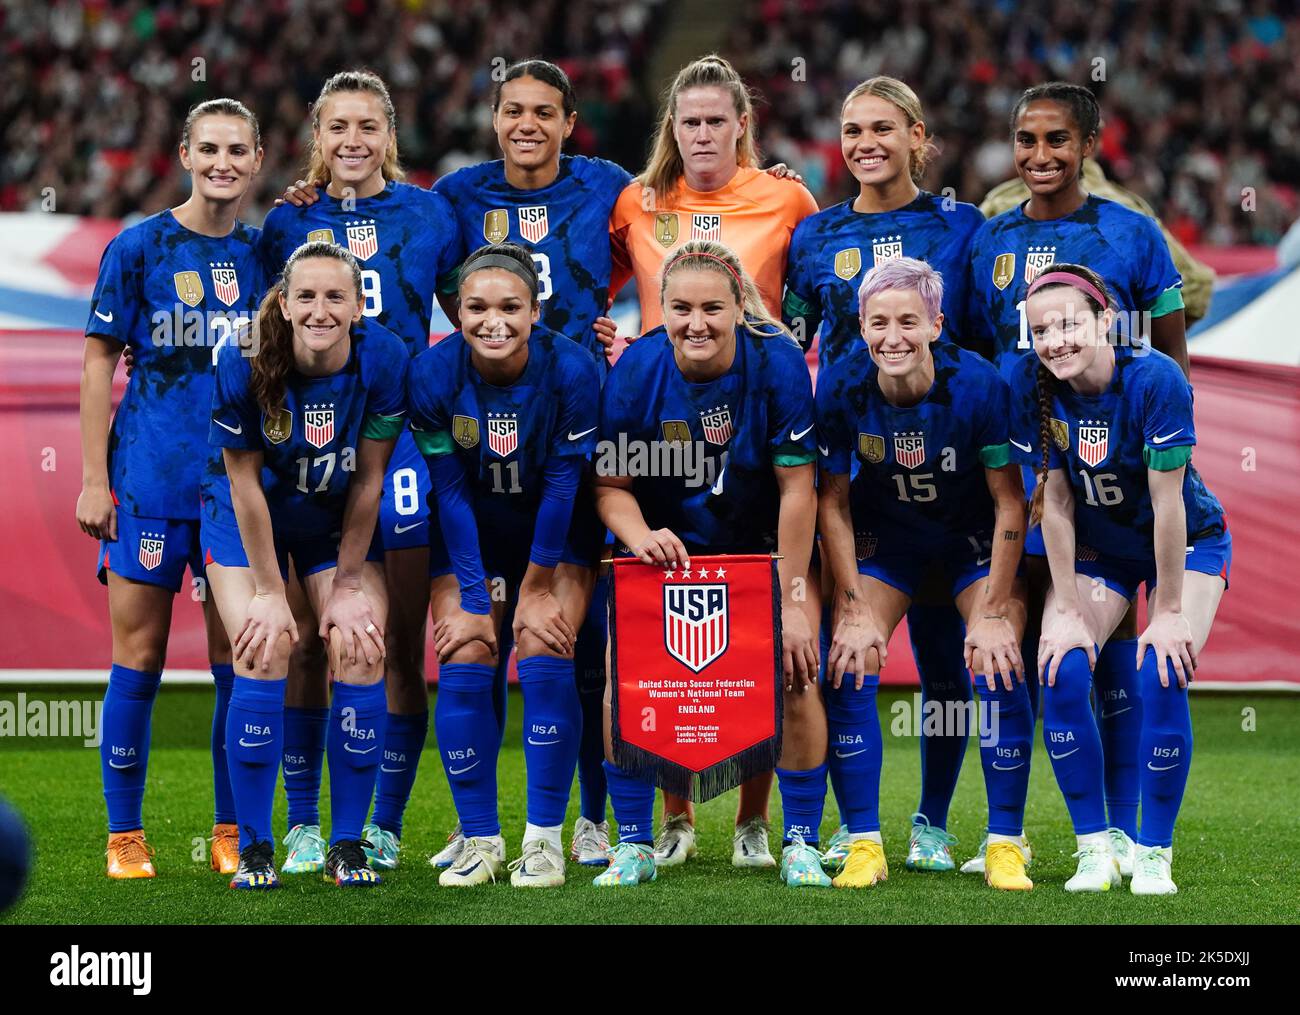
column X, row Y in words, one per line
column 256, row 867
column 129, row 856
column 541, row 866
column 1097, row 870
column 449, row 853
column 346, row 865
column 479, row 862
column 1124, row 849
column 927, row 850
column 225, row 848
column 975, row 865
column 676, row 842
column 630, row 863
column 383, row 849
column 1005, row 867
column 837, row 849
column 306, row 850
column 801, row 865
column 864, row 866
column 590, row 843
column 749, row 845
column 1151, row 871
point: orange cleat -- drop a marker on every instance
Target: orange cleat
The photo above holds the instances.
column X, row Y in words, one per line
column 225, row 848
column 129, row 856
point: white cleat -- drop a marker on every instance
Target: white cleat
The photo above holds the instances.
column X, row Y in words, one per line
column 676, row 842
column 1124, row 849
column 1151, row 871
column 975, row 865
column 480, row 861
column 590, row 843
column 1097, row 871
column 541, row 866
column 449, row 853
column 749, row 845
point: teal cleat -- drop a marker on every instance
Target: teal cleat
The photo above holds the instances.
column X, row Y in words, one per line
column 801, row 865
column 928, row 848
column 837, row 850
column 383, row 849
column 630, row 863
column 306, row 850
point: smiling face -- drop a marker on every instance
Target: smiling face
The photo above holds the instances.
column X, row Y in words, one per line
column 353, row 137
column 876, row 141
column 700, row 314
column 1048, row 148
column 707, row 129
column 898, row 330
column 530, row 123
column 222, row 157
column 1069, row 335
column 321, row 303
column 497, row 313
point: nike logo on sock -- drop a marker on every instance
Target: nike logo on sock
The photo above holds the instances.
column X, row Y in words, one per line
column 1118, row 711
column 851, row 754
column 541, row 743
column 299, row 771
column 245, row 743
column 1161, row 768
column 352, row 750
column 114, row 764
column 1008, row 768
column 460, row 771
column 385, row 768
column 1058, row 757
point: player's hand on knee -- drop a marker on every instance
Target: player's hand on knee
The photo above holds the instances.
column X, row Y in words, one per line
column 300, row 194
column 663, row 548
column 96, row 513
column 1064, row 629
column 858, row 646
column 348, row 610
column 268, row 619
column 1169, row 635
column 606, row 331
column 992, row 649
column 798, row 649
column 539, row 614
column 458, row 628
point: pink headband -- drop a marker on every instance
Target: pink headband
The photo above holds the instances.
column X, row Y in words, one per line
column 1073, row 281
column 730, row 270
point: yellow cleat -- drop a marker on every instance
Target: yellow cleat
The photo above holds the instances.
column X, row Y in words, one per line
column 1004, row 867
column 225, row 848
column 864, row 866
column 129, row 856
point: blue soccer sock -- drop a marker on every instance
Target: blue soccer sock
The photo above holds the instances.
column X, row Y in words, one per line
column 354, row 746
column 855, row 750
column 304, row 757
column 223, row 810
column 552, row 729
column 938, row 644
column 403, row 743
column 254, row 740
column 634, row 805
column 124, row 750
column 468, row 742
column 803, row 799
column 1119, row 719
column 589, row 673
column 1006, row 743
column 1165, row 752
column 1073, row 743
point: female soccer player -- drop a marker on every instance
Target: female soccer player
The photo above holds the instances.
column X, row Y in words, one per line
column 1112, row 433
column 505, row 412
column 722, row 354
column 885, row 146
column 303, row 423
column 702, row 183
column 1054, row 128
column 191, row 270
column 405, row 239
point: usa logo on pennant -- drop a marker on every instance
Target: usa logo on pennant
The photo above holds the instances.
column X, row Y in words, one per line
column 717, row 425
column 886, row 248
column 1036, row 260
column 225, row 282
column 533, row 225
column 706, row 227
column 502, row 433
column 1094, row 441
column 151, row 549
column 909, row 449
column 318, row 424
column 695, row 624
column 363, row 239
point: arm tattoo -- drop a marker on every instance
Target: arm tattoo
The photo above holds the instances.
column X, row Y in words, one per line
column 1010, row 536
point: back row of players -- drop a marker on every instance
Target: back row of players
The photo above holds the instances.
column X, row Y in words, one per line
column 919, row 498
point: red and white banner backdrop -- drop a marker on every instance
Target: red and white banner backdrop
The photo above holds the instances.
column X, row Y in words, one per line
column 696, row 667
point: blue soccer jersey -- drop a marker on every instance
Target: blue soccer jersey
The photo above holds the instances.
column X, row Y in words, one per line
column 701, row 455
column 833, row 250
column 565, row 225
column 1105, row 444
column 1123, row 246
column 310, row 444
column 404, row 237
column 919, row 469
column 174, row 296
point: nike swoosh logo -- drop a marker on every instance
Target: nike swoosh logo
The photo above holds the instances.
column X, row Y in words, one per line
column 226, row 426
column 461, row 771
column 1058, row 757
column 801, row 434
column 1161, row 768
column 399, row 529
column 851, row 754
column 351, row 750
column 114, row 764
column 575, row 436
column 1023, row 447
column 245, row 743
column 1168, row 436
column 106, row 318
column 385, row 768
column 1120, row 711
column 296, row 771
column 541, row 743
column 1008, row 768
column 826, row 452
column 467, row 873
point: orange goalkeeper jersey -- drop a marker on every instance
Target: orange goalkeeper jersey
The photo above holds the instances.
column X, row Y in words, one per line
column 754, row 214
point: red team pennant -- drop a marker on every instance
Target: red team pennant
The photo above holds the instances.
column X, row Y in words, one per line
column 696, row 670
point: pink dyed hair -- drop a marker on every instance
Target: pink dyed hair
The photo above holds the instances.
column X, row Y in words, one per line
column 903, row 273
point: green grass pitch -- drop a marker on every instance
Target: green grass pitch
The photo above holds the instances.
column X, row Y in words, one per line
column 1233, row 857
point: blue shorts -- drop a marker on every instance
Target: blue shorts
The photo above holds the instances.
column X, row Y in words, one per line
column 404, row 504
column 310, row 552
column 1209, row 553
column 900, row 558
column 152, row 550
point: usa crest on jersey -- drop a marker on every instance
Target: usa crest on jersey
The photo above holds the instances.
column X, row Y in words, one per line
column 1036, row 260
column 706, row 227
column 225, row 283
column 909, row 449
column 533, row 225
column 363, row 239
column 502, row 433
column 695, row 623
column 717, row 425
column 1094, row 442
column 318, row 424
column 886, row 248
column 151, row 549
